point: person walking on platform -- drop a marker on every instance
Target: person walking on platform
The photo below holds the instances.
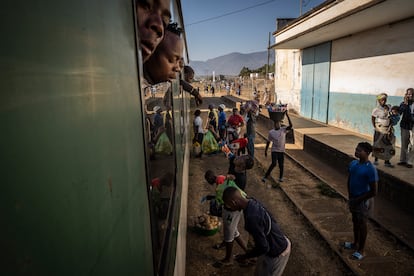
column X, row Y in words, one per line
column 407, row 127
column 380, row 122
column 271, row 247
column 278, row 138
column 362, row 187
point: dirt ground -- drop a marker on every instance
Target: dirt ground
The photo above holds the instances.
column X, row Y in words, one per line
column 310, row 255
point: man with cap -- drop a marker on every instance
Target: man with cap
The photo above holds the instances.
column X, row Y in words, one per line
column 222, row 121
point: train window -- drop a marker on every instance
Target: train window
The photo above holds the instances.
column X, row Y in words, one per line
column 165, row 116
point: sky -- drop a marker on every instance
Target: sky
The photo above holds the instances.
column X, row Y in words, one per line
column 242, row 25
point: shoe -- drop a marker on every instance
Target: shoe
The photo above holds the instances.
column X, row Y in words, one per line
column 348, row 245
column 357, row 256
column 220, row 264
column 280, row 179
column 219, row 246
column 409, row 166
column 388, row 164
column 264, row 179
column 402, row 163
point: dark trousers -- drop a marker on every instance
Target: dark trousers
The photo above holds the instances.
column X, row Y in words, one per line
column 277, row 157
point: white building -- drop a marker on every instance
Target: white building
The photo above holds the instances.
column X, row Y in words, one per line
column 332, row 61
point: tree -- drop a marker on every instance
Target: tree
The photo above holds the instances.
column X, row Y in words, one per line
column 245, row 72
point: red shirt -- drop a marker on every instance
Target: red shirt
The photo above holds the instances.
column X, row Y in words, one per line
column 235, row 120
column 220, row 179
column 241, row 141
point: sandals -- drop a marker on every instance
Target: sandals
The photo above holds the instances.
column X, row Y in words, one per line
column 348, row 245
column 357, row 256
column 219, row 246
column 247, row 263
column 220, row 264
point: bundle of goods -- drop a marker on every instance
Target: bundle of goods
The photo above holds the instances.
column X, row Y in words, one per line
column 206, row 225
column 277, row 111
column 250, row 106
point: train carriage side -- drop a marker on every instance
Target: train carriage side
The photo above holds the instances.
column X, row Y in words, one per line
column 81, row 191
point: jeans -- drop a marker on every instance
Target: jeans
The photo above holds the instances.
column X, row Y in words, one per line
column 405, row 141
column 250, row 145
column 272, row 266
column 277, row 157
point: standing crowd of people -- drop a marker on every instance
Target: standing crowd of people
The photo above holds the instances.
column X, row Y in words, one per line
column 271, row 249
column 384, row 119
column 161, row 46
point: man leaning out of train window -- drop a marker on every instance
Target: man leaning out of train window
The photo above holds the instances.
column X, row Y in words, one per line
column 167, row 59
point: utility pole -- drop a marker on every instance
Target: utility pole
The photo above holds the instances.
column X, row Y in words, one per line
column 300, row 7
column 268, row 57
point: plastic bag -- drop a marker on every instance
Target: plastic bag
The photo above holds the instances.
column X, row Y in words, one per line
column 209, row 144
column 196, row 148
column 163, row 145
column 216, row 208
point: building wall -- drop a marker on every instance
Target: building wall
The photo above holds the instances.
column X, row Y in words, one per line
column 288, row 78
column 366, row 64
column 362, row 66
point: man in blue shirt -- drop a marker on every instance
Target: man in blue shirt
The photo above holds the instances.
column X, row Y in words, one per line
column 272, row 247
column 222, row 121
column 362, row 187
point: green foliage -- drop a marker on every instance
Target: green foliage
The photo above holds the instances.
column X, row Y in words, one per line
column 245, row 71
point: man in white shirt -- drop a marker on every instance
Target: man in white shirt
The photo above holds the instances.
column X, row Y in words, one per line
column 278, row 138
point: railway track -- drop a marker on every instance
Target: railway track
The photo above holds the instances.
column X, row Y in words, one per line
column 329, row 216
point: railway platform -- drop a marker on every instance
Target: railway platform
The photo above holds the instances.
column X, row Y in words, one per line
column 326, row 151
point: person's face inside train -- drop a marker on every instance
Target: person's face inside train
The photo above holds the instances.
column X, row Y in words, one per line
column 164, row 64
column 152, row 16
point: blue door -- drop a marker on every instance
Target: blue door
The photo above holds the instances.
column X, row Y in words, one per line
column 306, row 98
column 315, row 82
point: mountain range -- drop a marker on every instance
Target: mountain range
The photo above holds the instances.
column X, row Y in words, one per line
column 232, row 63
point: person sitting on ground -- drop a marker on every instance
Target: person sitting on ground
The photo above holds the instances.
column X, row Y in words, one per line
column 271, row 246
column 362, row 187
column 230, row 218
column 278, row 138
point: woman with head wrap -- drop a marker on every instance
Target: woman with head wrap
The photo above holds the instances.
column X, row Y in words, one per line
column 380, row 122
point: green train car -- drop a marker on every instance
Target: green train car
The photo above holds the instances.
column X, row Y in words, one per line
column 82, row 190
